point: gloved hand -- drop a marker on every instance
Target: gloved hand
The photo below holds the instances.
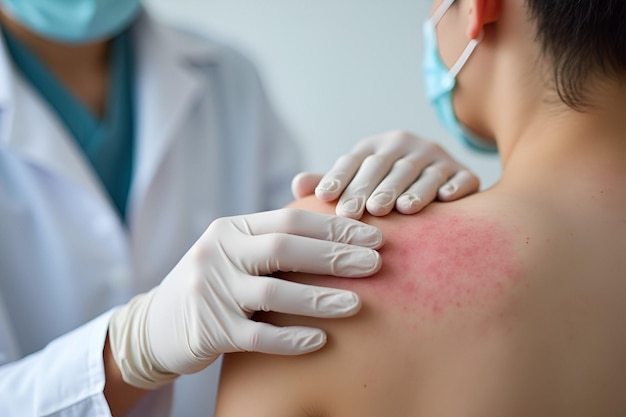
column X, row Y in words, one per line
column 395, row 168
column 202, row 308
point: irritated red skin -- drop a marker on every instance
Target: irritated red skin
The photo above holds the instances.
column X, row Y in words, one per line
column 453, row 262
column 436, row 262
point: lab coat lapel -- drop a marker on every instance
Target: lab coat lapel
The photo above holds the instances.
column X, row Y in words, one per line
column 30, row 129
column 169, row 80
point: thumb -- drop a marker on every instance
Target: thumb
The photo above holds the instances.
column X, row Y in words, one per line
column 304, row 184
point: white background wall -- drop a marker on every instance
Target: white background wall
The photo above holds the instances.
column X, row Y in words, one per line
column 337, row 70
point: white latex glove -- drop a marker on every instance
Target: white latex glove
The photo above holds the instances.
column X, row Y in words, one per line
column 394, row 169
column 202, row 308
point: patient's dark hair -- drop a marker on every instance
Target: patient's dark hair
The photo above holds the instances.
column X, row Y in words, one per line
column 581, row 39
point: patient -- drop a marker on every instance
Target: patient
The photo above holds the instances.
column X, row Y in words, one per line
column 508, row 303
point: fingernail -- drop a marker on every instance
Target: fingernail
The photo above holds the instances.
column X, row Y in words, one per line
column 310, row 339
column 340, row 304
column 367, row 236
column 449, row 189
column 382, row 199
column 357, row 263
column 328, row 186
column 409, row 201
column 352, row 206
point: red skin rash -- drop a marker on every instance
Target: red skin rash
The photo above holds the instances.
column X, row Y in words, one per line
column 454, row 263
column 436, row 262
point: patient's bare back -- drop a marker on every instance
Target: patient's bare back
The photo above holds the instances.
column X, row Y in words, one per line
column 483, row 307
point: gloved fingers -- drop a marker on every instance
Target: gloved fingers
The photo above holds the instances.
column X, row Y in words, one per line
column 396, row 142
column 273, row 294
column 373, row 170
column 289, row 253
column 308, row 224
column 355, row 175
column 335, row 181
column 265, row 338
column 424, row 190
column 304, row 184
column 403, row 173
column 462, row 184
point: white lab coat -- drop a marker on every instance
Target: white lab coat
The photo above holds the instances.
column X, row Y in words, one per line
column 207, row 145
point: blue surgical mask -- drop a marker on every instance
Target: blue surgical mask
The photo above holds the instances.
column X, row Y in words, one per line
column 441, row 81
column 74, row 21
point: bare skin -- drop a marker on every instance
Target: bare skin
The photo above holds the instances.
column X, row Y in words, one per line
column 82, row 68
column 508, row 303
column 120, row 395
column 489, row 306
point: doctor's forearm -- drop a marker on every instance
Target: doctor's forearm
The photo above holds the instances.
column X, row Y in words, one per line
column 120, row 395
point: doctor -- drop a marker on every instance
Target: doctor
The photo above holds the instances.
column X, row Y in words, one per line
column 121, row 141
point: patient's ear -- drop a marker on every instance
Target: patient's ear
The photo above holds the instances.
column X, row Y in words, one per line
column 482, row 13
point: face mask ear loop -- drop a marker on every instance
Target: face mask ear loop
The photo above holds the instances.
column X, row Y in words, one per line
column 441, row 10
column 469, row 49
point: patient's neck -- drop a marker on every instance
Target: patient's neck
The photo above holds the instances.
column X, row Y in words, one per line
column 549, row 144
column 567, row 152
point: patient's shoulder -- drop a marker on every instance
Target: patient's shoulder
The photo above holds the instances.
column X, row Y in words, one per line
column 429, row 323
column 484, row 307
